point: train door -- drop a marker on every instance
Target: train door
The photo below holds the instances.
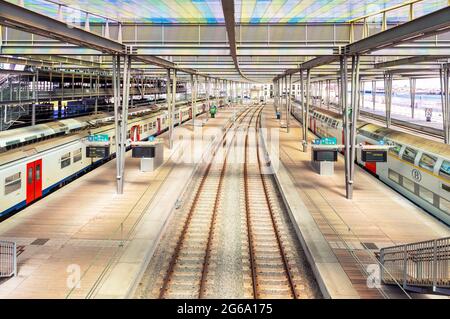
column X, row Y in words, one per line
column 158, row 125
column 190, row 113
column 135, row 133
column 371, row 167
column 181, row 117
column 34, row 180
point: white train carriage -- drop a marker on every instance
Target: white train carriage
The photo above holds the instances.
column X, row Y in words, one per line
column 416, row 167
column 28, row 173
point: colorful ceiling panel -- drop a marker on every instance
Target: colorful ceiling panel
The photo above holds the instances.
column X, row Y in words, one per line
column 246, row 11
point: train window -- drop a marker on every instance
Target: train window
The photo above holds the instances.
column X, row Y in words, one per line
column 77, row 155
column 427, row 161
column 409, row 154
column 426, row 194
column 65, row 160
column 445, row 187
column 396, row 148
column 408, row 184
column 38, row 172
column 445, row 169
column 444, row 205
column 394, row 176
column 13, row 183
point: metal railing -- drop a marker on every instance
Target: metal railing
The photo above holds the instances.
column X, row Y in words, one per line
column 8, row 259
column 424, row 264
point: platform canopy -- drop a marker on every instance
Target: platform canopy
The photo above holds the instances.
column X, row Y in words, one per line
column 242, row 40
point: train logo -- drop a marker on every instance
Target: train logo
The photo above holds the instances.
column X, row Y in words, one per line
column 416, row 175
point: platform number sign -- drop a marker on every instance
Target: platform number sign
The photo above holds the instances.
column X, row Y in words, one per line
column 98, row 138
column 415, row 173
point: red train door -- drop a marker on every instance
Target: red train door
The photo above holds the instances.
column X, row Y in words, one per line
column 190, row 113
column 181, row 117
column 371, row 167
column 158, row 125
column 135, row 133
column 34, row 180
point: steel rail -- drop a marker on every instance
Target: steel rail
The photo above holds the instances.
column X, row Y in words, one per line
column 211, row 228
column 276, row 229
column 187, row 223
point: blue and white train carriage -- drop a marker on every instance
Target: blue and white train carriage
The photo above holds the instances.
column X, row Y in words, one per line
column 43, row 158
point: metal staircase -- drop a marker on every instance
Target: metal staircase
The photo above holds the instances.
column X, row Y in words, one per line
column 10, row 112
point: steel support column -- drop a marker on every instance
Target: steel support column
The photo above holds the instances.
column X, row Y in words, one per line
column 169, row 101
column 303, row 111
column 388, row 78
column 445, row 97
column 288, row 104
column 412, row 94
column 306, row 109
column 346, row 122
column 374, row 93
column 124, row 118
column 174, row 100
column 354, row 118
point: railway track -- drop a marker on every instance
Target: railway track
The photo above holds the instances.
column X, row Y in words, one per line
column 272, row 275
column 272, row 264
column 187, row 271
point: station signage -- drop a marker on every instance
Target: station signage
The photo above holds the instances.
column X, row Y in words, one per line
column 98, row 138
column 325, row 155
column 325, row 141
column 374, row 156
column 143, row 152
column 97, row 151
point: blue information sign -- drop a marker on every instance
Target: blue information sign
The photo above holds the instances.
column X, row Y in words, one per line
column 98, row 138
column 325, row 141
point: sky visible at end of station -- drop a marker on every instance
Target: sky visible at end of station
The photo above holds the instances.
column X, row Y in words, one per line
column 246, row 11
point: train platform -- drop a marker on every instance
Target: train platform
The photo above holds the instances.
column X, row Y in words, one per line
column 343, row 236
column 85, row 241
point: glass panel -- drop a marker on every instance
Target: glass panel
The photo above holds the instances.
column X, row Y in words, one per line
column 77, row 155
column 444, row 205
column 38, row 172
column 409, row 155
column 394, row 176
column 65, row 160
column 427, row 162
column 13, row 183
column 30, row 175
column 396, row 149
column 445, row 169
column 408, row 184
column 426, row 194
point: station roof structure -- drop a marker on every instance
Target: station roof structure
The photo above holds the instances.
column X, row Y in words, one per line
column 241, row 40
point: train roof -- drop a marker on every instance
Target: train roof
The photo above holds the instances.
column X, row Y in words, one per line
column 414, row 141
column 22, row 135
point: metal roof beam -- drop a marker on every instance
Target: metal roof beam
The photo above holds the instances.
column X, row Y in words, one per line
column 17, row 17
column 230, row 24
column 410, row 60
column 424, row 26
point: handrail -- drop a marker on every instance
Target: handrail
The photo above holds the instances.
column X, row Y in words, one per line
column 8, row 259
column 424, row 264
column 400, row 5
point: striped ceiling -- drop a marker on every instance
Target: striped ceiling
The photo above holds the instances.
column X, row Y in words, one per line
column 246, row 11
